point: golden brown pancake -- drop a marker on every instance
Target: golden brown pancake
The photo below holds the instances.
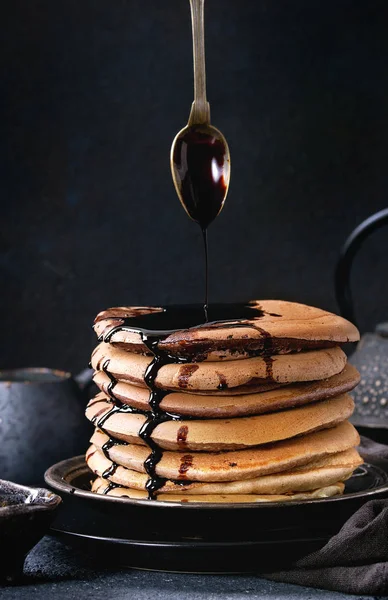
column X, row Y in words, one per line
column 223, row 434
column 100, row 486
column 290, row 325
column 199, row 405
column 320, row 473
column 289, row 368
column 102, row 380
column 239, row 464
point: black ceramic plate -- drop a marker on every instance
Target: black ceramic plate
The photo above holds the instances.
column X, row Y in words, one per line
column 198, row 537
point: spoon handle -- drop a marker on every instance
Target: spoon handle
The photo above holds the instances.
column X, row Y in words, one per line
column 200, row 110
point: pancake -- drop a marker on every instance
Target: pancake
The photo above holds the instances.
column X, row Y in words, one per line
column 102, row 380
column 319, row 473
column 290, row 368
column 196, row 405
column 100, row 486
column 221, row 434
column 235, row 465
column 290, row 326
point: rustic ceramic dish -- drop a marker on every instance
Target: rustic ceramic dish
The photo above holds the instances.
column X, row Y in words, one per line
column 25, row 516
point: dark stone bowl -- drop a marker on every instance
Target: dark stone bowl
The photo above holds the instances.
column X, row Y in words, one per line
column 25, row 516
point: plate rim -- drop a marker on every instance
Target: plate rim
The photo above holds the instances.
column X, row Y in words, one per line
column 183, row 544
column 55, row 479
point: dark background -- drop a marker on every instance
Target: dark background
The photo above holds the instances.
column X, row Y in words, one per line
column 93, row 94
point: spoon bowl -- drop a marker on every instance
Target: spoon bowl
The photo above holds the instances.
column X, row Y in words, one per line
column 200, row 166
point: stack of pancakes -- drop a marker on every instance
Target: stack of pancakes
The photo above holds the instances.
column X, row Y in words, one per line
column 260, row 410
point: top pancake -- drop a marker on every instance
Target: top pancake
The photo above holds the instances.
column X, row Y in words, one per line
column 99, row 486
column 279, row 328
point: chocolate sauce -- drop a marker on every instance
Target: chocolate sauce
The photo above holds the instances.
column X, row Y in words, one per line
column 268, row 351
column 109, row 444
column 111, row 486
column 111, row 470
column 223, row 385
column 186, row 463
column 185, row 373
column 181, row 435
column 117, row 406
column 174, row 318
column 154, row 328
column 206, row 303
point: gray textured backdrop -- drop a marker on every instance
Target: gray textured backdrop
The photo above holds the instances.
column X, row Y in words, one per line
column 93, row 94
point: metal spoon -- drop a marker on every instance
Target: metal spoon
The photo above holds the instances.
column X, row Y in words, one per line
column 200, row 158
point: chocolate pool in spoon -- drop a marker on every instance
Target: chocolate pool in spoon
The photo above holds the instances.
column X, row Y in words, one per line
column 200, row 159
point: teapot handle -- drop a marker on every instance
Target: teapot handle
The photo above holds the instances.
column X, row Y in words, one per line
column 348, row 252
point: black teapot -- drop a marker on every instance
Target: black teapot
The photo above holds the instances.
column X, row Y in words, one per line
column 42, row 421
column 371, row 354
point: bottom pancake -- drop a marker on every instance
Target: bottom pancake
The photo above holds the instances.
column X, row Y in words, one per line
column 101, row 486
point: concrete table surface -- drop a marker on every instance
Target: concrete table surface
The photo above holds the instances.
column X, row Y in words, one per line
column 54, row 571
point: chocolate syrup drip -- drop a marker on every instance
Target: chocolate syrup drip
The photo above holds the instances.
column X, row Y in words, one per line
column 111, row 470
column 206, row 303
column 223, row 385
column 109, row 444
column 112, row 379
column 117, row 407
column 154, row 328
column 181, row 435
column 111, row 486
column 185, row 373
column 267, row 352
column 156, row 416
column 186, row 463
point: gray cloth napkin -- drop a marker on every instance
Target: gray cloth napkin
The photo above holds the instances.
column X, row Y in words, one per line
column 356, row 559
